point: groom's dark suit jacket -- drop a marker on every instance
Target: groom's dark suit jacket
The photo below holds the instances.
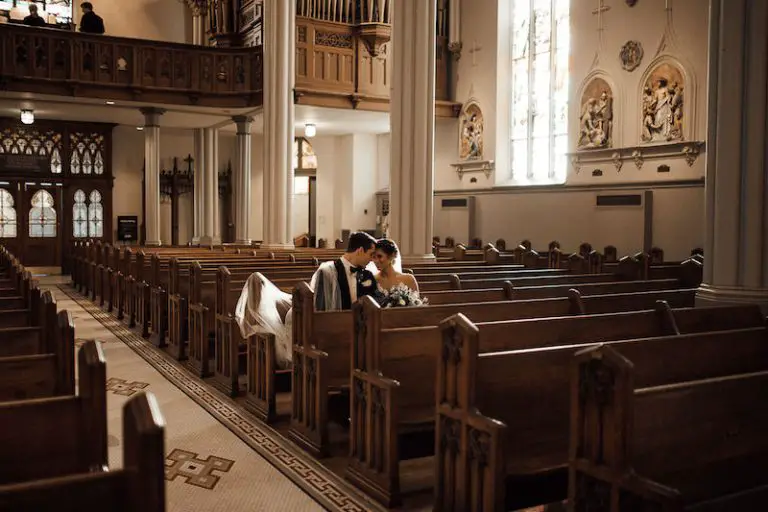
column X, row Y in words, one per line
column 366, row 283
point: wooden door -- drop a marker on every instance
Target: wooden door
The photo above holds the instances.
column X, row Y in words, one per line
column 42, row 224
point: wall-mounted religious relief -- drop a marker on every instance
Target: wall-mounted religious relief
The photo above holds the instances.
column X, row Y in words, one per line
column 471, row 123
column 662, row 105
column 596, row 121
column 631, row 55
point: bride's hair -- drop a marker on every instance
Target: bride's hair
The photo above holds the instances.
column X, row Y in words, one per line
column 388, row 247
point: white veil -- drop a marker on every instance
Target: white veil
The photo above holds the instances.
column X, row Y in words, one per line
column 265, row 308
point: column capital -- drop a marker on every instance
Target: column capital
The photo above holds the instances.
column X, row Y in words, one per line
column 243, row 124
column 152, row 115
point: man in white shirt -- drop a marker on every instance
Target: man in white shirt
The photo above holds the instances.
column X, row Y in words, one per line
column 338, row 284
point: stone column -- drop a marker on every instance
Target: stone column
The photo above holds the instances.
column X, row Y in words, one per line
column 152, row 174
column 279, row 78
column 198, row 27
column 736, row 249
column 412, row 119
column 242, row 188
column 210, row 235
column 199, row 169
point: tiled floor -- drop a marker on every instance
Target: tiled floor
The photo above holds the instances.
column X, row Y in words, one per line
column 208, row 468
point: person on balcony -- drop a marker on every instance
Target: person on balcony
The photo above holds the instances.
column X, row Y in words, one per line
column 90, row 22
column 34, row 19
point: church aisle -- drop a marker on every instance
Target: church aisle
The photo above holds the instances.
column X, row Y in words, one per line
column 208, row 468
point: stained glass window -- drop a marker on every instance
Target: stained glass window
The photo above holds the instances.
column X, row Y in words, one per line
column 7, row 215
column 539, row 120
column 42, row 216
column 80, row 216
column 95, row 215
column 87, row 153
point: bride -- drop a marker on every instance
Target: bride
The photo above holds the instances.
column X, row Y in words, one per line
column 390, row 273
column 263, row 308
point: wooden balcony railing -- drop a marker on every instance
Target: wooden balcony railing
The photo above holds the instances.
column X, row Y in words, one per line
column 50, row 61
column 342, row 57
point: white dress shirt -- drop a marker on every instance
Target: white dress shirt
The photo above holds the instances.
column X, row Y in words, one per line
column 351, row 279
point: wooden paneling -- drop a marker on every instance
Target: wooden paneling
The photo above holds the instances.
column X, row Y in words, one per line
column 50, row 61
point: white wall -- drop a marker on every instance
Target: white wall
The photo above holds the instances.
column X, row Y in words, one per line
column 567, row 213
column 159, row 20
column 571, row 217
column 127, row 165
column 484, row 75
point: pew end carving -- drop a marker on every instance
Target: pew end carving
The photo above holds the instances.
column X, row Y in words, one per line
column 468, row 446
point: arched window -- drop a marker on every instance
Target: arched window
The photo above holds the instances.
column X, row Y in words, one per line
column 42, row 216
column 88, row 216
column 95, row 216
column 539, row 124
column 7, row 215
column 79, row 216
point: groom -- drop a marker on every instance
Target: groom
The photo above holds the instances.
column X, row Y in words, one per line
column 339, row 283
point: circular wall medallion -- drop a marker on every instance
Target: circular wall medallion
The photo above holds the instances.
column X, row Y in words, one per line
column 631, row 55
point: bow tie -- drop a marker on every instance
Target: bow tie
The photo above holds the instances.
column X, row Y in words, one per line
column 356, row 270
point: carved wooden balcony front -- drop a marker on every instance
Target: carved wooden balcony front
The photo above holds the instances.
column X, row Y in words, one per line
column 50, row 61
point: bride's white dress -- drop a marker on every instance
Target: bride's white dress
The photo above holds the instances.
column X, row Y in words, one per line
column 263, row 308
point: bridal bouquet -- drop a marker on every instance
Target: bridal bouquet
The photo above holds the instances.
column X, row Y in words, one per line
column 401, row 296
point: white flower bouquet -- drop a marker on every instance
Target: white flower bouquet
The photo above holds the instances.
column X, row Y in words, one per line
column 401, row 296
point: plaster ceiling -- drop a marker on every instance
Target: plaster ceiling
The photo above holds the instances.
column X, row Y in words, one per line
column 328, row 121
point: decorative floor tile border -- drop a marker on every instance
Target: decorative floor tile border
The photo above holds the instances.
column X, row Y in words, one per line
column 321, row 484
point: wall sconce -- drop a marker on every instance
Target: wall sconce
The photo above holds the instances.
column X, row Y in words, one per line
column 27, row 116
column 310, row 130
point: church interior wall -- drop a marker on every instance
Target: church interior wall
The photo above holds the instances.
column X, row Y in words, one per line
column 128, row 161
column 157, row 20
column 483, row 75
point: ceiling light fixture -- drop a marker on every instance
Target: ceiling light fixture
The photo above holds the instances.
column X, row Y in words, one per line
column 27, row 116
column 310, row 130
column 140, row 128
column 110, row 102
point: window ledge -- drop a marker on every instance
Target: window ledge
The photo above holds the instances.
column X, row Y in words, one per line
column 474, row 166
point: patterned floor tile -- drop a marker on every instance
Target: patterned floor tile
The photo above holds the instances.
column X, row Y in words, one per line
column 212, row 430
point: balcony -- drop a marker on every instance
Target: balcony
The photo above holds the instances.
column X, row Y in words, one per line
column 58, row 62
column 343, row 61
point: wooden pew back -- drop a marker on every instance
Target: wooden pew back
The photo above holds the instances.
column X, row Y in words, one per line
column 699, row 437
column 139, row 486
column 73, row 439
column 500, row 395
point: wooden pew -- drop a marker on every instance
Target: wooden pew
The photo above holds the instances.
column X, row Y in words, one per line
column 659, row 440
column 231, row 351
column 322, row 341
column 38, row 362
column 501, row 431
column 73, row 440
column 405, row 356
column 139, row 486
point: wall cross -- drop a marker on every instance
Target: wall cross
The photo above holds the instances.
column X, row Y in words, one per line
column 473, row 50
column 601, row 8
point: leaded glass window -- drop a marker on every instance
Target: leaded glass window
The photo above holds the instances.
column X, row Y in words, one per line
column 80, row 216
column 87, row 153
column 7, row 215
column 95, row 215
column 42, row 216
column 540, row 53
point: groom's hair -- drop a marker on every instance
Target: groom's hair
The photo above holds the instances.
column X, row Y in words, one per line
column 360, row 240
